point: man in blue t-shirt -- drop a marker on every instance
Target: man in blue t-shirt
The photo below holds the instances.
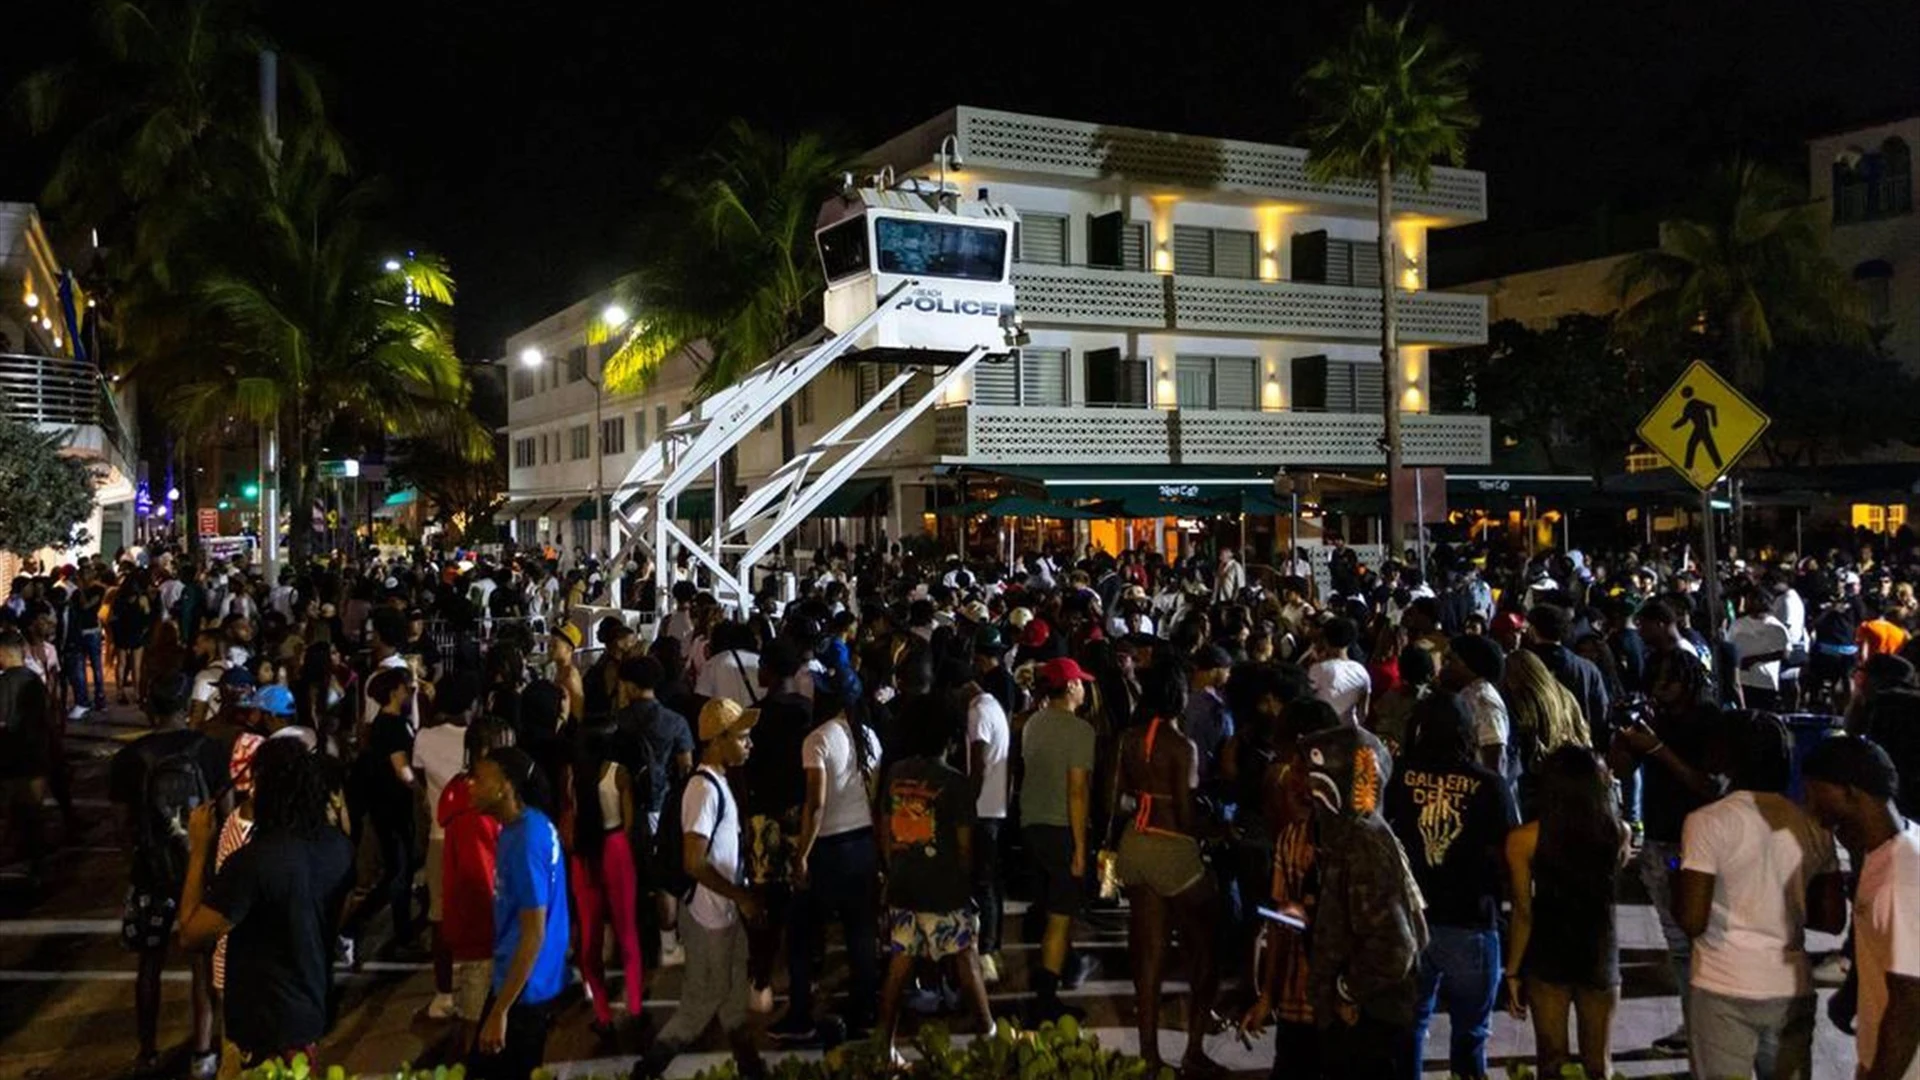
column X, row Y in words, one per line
column 529, row 918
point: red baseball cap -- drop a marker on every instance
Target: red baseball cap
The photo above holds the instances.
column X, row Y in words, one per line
column 1508, row 622
column 1061, row 670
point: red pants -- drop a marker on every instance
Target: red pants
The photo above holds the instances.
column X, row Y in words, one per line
column 610, row 894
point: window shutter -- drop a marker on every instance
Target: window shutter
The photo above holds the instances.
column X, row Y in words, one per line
column 1339, row 263
column 1310, row 256
column 996, row 382
column 1233, row 252
column 1043, row 376
column 1105, row 246
column 1193, row 381
column 1366, row 263
column 1310, row 390
column 1043, row 239
column 640, row 429
column 1133, row 246
column 1136, row 383
column 1192, row 250
column 1234, row 384
column 1368, row 393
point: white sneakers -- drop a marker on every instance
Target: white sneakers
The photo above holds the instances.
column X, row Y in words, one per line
column 761, row 1000
column 989, row 968
column 672, row 953
column 441, row 1008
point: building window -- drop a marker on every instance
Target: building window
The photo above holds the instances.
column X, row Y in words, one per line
column 1041, row 238
column 578, row 442
column 576, row 363
column 543, row 448
column 605, row 353
column 1028, row 377
column 613, row 436
column 1317, row 258
column 1216, row 382
column 522, row 380
column 524, row 454
column 1112, row 379
column 1320, row 385
column 1225, row 253
column 1873, row 185
column 803, row 408
column 1115, row 243
column 1133, row 246
column 640, row 430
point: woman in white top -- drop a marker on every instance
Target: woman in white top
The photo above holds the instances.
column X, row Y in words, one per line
column 836, row 866
column 604, row 880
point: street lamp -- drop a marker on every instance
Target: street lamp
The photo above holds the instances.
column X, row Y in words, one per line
column 615, row 316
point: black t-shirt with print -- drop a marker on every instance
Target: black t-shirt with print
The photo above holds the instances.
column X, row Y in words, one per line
column 924, row 804
column 1453, row 823
column 283, row 895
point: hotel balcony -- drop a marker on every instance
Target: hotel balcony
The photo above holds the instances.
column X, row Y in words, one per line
column 1030, row 435
column 1090, row 297
column 68, row 396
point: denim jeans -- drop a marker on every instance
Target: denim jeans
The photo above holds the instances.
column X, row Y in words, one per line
column 843, row 872
column 989, row 891
column 86, row 650
column 1655, row 865
column 1460, row 969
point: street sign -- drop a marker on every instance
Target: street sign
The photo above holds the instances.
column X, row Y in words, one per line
column 1703, row 425
column 343, row 469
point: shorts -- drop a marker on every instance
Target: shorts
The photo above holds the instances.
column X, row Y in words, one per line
column 1056, row 889
column 146, row 923
column 435, row 868
column 472, row 980
column 1165, row 863
column 932, row 935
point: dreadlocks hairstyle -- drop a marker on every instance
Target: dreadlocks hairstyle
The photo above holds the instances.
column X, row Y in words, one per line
column 528, row 779
column 487, row 735
column 1759, row 750
column 291, row 790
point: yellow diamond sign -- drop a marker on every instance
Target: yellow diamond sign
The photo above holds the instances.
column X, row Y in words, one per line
column 1703, row 425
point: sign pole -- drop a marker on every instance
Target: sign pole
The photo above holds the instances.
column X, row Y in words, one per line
column 1709, row 563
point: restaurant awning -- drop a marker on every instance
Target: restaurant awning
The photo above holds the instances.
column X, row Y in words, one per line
column 850, row 499
column 1153, row 481
column 1020, row 506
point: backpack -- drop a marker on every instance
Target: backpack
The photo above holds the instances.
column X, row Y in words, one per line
column 174, row 787
column 669, row 861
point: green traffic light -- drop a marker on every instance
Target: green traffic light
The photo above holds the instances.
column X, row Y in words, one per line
column 251, row 491
column 223, row 504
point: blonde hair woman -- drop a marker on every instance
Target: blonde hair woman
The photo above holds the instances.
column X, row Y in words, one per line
column 1545, row 715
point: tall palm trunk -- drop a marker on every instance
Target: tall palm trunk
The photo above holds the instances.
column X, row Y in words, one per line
column 300, row 469
column 1390, row 358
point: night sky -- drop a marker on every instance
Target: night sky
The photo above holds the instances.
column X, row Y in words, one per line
column 520, row 139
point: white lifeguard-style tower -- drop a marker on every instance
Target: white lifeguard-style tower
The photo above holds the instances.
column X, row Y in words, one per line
column 919, row 281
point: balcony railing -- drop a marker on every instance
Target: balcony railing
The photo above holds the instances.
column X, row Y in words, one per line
column 54, row 392
column 1011, row 435
column 1139, row 300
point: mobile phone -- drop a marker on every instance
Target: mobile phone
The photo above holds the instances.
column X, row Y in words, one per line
column 1291, row 922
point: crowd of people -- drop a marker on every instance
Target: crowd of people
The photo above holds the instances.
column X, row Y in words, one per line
column 1354, row 803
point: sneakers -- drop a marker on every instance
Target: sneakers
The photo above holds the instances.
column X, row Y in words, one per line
column 672, row 953
column 205, row 1066
column 1833, row 970
column 989, row 968
column 1673, row 1042
column 1082, row 967
column 793, row 1028
column 78, row 712
column 441, row 1008
column 346, row 953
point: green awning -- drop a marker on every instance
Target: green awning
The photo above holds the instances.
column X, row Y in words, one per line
column 1189, row 482
column 694, row 505
column 1138, row 507
column 850, row 500
column 584, row 511
column 403, row 497
column 1007, row 506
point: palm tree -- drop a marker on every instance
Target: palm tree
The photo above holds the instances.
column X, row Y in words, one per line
column 1748, row 270
column 326, row 324
column 730, row 261
column 1386, row 103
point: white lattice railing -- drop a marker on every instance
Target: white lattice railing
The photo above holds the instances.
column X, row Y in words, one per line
column 1012, row 435
column 1067, row 148
column 1138, row 300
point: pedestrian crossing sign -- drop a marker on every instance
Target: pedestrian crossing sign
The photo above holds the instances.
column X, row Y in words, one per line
column 1703, row 425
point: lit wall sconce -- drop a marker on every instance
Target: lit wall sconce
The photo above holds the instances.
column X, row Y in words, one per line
column 1162, row 259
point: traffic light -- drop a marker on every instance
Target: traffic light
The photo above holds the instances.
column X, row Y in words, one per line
column 251, row 490
column 224, row 505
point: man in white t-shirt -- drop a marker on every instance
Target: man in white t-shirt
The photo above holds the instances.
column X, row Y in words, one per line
column 1850, row 788
column 439, row 753
column 988, row 738
column 732, row 668
column 1472, row 669
column 1337, row 680
column 1755, row 872
column 712, row 927
column 1762, row 642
